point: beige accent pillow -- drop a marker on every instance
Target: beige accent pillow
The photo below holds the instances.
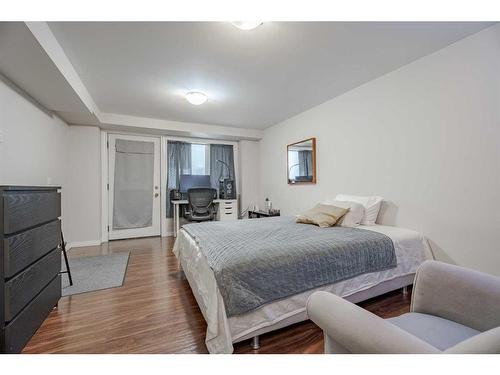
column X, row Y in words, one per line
column 323, row 215
column 352, row 218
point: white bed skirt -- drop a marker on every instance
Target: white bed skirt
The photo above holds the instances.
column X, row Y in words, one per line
column 411, row 250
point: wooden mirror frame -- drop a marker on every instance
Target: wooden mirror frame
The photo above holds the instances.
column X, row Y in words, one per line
column 313, row 139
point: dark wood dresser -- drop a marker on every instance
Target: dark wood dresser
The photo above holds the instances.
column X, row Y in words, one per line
column 30, row 261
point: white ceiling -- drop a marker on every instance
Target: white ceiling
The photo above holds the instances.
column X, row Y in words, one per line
column 20, row 61
column 254, row 78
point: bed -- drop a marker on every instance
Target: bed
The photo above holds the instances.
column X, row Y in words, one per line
column 224, row 329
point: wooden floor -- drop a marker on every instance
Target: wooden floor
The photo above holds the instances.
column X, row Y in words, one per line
column 155, row 312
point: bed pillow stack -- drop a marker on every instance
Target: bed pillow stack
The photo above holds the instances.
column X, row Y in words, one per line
column 353, row 217
column 323, row 215
column 371, row 205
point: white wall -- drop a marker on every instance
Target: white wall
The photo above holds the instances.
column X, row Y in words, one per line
column 84, row 185
column 34, row 144
column 249, row 174
column 426, row 137
column 39, row 149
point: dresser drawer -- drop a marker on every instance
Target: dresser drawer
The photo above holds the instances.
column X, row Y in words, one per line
column 20, row 250
column 18, row 332
column 28, row 209
column 24, row 287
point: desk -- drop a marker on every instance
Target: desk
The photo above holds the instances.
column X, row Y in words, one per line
column 227, row 210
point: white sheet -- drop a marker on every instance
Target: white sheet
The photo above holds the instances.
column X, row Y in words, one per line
column 411, row 250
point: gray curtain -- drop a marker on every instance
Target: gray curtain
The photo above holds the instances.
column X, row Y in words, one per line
column 305, row 163
column 133, row 184
column 219, row 170
column 179, row 162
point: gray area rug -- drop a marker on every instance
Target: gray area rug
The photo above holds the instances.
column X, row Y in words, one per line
column 95, row 273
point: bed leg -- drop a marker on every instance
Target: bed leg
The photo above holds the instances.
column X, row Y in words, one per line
column 405, row 290
column 255, row 343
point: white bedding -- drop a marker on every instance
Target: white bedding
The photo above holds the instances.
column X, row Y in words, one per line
column 411, row 250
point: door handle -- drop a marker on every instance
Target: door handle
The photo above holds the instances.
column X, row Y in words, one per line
column 156, row 195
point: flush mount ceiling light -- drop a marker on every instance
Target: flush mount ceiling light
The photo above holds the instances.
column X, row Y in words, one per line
column 247, row 25
column 196, row 97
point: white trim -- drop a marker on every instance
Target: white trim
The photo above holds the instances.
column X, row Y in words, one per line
column 104, row 186
column 163, row 187
column 119, row 122
column 72, row 245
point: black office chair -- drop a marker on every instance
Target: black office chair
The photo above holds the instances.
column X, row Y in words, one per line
column 200, row 204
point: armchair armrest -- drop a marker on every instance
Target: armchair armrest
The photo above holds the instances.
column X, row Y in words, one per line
column 465, row 296
column 356, row 330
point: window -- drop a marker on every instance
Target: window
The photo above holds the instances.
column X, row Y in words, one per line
column 293, row 164
column 200, row 159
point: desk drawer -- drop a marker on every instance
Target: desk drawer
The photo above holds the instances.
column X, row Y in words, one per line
column 22, row 249
column 21, row 289
column 228, row 210
column 228, row 216
column 228, row 206
column 28, row 209
column 18, row 332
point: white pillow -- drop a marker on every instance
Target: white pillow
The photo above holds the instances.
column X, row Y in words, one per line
column 370, row 203
column 353, row 217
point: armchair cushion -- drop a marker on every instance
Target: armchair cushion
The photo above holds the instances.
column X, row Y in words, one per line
column 440, row 333
column 349, row 328
column 487, row 342
column 455, row 293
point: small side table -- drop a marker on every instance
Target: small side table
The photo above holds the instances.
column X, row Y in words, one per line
column 259, row 214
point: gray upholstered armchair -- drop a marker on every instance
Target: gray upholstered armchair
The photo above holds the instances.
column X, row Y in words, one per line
column 453, row 310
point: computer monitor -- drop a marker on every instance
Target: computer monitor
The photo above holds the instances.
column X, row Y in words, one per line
column 188, row 181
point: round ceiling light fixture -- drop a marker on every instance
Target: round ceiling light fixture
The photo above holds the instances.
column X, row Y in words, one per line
column 247, row 25
column 196, row 97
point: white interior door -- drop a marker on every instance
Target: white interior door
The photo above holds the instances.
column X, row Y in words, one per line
column 134, row 186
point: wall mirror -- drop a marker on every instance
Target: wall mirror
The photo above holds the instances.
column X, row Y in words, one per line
column 301, row 162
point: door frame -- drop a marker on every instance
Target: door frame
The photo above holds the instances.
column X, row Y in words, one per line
column 105, row 165
column 166, row 223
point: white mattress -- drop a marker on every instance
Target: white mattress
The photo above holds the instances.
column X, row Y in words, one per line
column 411, row 250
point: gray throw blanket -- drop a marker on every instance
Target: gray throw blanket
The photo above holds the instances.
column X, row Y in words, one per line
column 258, row 261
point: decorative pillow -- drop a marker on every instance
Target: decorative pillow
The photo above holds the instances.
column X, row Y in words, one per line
column 370, row 203
column 323, row 215
column 353, row 217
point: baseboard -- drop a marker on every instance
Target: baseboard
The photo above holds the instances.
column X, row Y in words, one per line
column 71, row 245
